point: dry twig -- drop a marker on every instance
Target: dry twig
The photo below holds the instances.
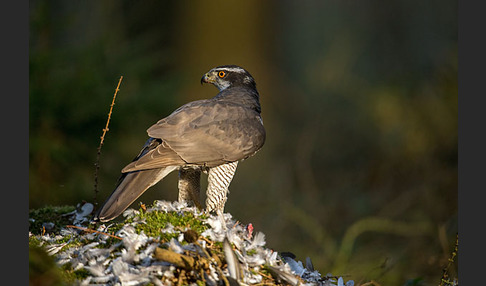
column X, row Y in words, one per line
column 94, row 231
column 97, row 163
column 445, row 280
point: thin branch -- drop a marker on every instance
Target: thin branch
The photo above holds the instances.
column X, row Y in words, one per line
column 97, row 163
column 93, row 231
column 445, row 280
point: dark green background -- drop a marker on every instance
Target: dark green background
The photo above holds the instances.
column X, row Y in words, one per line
column 359, row 99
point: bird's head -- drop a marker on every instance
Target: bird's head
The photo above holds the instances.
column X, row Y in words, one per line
column 227, row 76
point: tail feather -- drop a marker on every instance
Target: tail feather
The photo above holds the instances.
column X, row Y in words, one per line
column 130, row 186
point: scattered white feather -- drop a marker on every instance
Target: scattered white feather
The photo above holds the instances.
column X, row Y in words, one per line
column 97, row 270
column 175, row 246
column 258, row 241
column 232, row 261
column 130, row 213
column 131, row 261
column 55, row 248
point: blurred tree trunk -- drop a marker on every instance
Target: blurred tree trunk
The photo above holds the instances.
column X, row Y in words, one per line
column 235, row 26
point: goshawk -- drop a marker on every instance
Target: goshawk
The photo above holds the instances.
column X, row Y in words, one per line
column 210, row 136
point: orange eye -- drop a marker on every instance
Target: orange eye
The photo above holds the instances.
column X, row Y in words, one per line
column 221, row 74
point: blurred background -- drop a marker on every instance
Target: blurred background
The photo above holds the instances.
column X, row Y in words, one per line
column 359, row 99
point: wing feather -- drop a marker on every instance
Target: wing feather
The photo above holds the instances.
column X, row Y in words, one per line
column 204, row 132
column 211, row 132
column 155, row 154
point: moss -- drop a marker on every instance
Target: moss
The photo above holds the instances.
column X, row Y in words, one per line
column 53, row 214
column 155, row 221
column 151, row 223
column 251, row 252
column 217, row 247
column 71, row 276
column 81, row 274
column 72, row 241
column 34, row 242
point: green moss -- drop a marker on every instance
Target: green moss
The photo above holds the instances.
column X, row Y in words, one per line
column 72, row 241
column 34, row 242
column 155, row 221
column 71, row 276
column 218, row 245
column 54, row 214
column 81, row 274
column 251, row 252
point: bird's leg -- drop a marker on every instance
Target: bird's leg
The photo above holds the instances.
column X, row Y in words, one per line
column 189, row 186
column 219, row 178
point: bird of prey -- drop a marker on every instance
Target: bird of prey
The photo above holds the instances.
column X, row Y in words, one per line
column 209, row 135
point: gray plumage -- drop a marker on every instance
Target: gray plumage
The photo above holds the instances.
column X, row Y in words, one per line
column 209, row 135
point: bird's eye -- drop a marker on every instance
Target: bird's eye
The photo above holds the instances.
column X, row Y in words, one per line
column 221, row 74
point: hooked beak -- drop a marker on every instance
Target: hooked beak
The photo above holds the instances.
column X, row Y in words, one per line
column 207, row 78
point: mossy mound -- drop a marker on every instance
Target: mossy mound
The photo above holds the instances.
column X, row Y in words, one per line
column 165, row 244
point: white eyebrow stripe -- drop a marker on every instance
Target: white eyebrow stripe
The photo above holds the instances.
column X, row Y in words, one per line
column 238, row 70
